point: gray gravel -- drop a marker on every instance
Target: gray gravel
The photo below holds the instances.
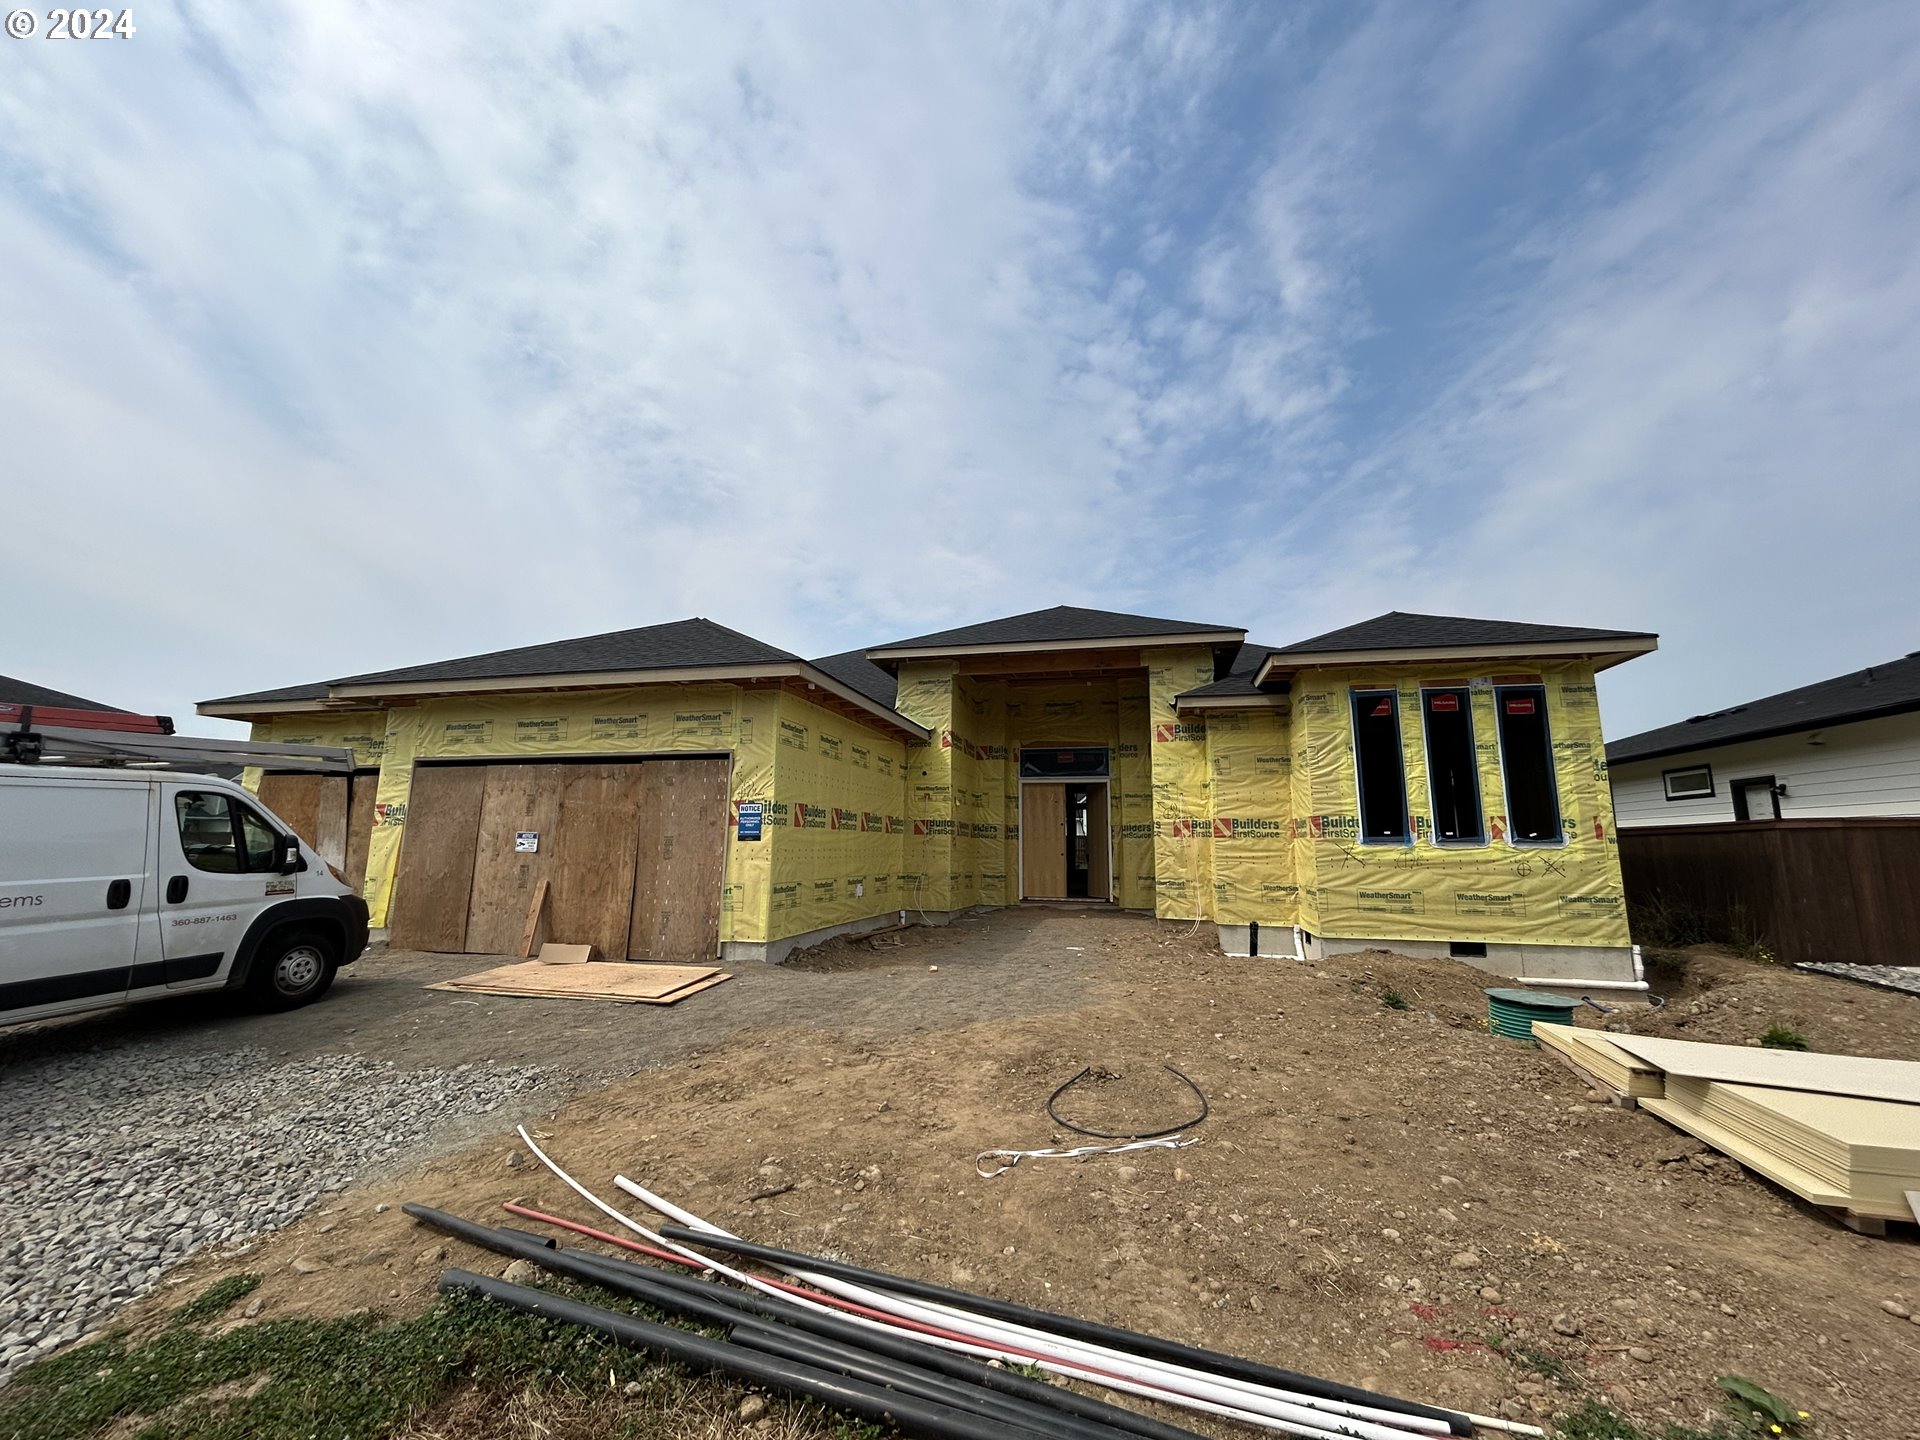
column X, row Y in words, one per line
column 120, row 1158
column 1905, row 978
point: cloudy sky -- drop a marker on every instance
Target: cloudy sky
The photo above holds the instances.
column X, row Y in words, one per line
column 341, row 336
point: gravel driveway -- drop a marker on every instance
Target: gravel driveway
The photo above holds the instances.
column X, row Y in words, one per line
column 131, row 1138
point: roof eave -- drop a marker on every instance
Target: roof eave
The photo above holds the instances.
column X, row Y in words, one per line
column 248, row 709
column 623, row 679
column 897, row 653
column 1604, row 655
column 1280, row 702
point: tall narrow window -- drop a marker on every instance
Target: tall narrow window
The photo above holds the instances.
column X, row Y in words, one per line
column 1452, row 770
column 1526, row 763
column 1380, row 767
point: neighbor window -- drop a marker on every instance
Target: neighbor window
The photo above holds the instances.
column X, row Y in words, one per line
column 1693, row 783
column 1380, row 767
column 1453, row 774
column 1526, row 763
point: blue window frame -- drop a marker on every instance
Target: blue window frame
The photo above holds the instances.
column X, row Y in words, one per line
column 1526, row 765
column 1453, row 766
column 1379, row 766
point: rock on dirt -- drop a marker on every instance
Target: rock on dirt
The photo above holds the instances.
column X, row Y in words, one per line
column 139, row 1160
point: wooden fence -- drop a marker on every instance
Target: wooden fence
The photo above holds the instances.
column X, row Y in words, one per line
column 1838, row 890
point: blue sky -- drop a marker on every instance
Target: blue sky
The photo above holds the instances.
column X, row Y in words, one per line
column 336, row 337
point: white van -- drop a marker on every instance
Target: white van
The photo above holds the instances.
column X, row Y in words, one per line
column 122, row 885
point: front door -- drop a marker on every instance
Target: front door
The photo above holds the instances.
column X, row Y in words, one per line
column 1043, row 842
column 215, row 871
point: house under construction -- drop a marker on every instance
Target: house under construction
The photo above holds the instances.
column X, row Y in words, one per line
column 1432, row 784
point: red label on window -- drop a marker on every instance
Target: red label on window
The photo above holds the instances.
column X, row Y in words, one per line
column 1522, row 706
column 1383, row 707
column 1443, row 702
column 1065, row 757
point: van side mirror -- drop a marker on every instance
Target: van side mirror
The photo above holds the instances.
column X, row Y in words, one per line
column 286, row 855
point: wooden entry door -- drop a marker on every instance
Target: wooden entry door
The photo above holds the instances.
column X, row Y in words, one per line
column 682, row 861
column 1043, row 842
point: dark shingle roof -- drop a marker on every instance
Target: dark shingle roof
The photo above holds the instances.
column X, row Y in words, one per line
column 1401, row 630
column 1890, row 689
column 21, row 692
column 853, row 669
column 1061, row 623
column 315, row 691
column 1239, row 675
column 680, row 644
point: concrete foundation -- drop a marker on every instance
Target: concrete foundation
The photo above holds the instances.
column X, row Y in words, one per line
column 774, row 952
column 1560, row 968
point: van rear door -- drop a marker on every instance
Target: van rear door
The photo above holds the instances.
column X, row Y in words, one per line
column 73, row 867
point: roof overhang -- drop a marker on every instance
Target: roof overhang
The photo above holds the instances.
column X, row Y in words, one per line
column 1280, row 702
column 248, row 709
column 372, row 695
column 1603, row 656
column 898, row 653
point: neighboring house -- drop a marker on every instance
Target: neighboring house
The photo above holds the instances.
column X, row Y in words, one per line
column 1844, row 748
column 1431, row 783
column 16, row 695
column 1790, row 823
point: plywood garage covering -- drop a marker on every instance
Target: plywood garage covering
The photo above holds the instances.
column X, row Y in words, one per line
column 315, row 806
column 633, row 853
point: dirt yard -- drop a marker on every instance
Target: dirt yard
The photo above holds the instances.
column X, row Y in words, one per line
column 1387, row 1196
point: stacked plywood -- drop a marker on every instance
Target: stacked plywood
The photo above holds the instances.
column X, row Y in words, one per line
column 1840, row 1131
column 1595, row 1058
column 624, row 983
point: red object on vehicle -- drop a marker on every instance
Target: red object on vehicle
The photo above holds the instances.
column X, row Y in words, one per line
column 56, row 718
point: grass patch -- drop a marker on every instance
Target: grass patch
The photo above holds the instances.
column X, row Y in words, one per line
column 1753, row 1412
column 1783, row 1037
column 215, row 1299
column 1394, row 1000
column 357, row 1378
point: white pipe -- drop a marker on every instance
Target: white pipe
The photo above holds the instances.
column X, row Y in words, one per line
column 1560, row 982
column 1639, row 970
column 1299, row 944
column 977, row 1348
column 1364, row 1421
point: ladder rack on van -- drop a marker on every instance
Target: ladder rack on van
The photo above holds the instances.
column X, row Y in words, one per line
column 34, row 734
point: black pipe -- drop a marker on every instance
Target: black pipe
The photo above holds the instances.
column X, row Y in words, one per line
column 1092, row 1331
column 911, row 1414
column 663, row 1287
column 723, row 1305
column 859, row 1364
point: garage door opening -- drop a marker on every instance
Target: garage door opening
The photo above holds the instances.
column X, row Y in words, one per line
column 634, row 853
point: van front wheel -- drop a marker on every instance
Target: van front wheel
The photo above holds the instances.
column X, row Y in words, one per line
column 292, row 969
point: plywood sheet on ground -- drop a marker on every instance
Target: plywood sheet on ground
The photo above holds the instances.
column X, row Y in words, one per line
column 1779, row 1069
column 434, row 880
column 680, row 868
column 1806, row 1186
column 601, row 980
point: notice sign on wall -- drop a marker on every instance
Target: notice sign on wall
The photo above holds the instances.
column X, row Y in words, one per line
column 752, row 814
column 526, row 842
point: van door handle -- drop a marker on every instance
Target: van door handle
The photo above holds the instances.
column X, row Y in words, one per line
column 119, row 892
column 176, row 889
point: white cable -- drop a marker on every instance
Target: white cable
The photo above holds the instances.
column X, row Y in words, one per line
column 1014, row 1157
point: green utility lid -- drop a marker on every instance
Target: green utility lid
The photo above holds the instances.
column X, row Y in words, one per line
column 1512, row 1012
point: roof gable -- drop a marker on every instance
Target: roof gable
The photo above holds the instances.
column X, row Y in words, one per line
column 1889, row 689
column 1066, row 624
column 1406, row 630
column 679, row 644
